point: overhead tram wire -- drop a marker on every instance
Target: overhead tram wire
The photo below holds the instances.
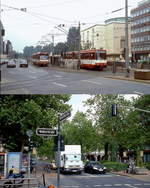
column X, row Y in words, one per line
column 37, row 14
column 56, row 4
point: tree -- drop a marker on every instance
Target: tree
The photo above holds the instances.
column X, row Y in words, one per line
column 73, row 39
column 60, row 47
column 138, row 132
column 20, row 113
column 110, row 129
column 80, row 131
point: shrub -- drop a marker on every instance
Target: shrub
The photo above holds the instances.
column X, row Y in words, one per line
column 114, row 166
column 147, row 165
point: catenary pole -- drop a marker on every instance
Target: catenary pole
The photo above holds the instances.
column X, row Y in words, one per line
column 126, row 40
column 79, row 47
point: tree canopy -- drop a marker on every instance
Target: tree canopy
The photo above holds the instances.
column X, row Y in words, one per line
column 20, row 113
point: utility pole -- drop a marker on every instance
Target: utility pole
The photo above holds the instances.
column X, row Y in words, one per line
column 58, row 156
column 126, row 40
column 79, row 47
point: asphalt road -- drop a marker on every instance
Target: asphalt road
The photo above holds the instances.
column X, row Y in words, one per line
column 43, row 80
column 96, row 180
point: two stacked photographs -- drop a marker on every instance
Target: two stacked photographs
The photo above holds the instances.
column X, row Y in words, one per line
column 75, row 94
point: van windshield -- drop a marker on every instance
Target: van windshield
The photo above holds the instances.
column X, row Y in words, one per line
column 72, row 157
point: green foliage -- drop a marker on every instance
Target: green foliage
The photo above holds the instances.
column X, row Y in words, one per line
column 20, row 113
column 147, row 165
column 80, row 131
column 73, row 39
column 114, row 166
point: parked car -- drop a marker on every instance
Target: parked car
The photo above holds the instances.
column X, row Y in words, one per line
column 11, row 64
column 94, row 167
column 23, row 63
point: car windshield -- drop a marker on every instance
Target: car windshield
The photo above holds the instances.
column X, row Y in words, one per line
column 97, row 165
column 11, row 62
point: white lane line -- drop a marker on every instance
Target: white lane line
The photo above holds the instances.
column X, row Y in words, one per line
column 33, row 77
column 58, row 76
column 139, row 93
column 71, row 186
column 58, row 84
column 146, row 183
column 137, row 184
column 97, row 185
column 107, row 185
column 129, row 185
column 117, row 184
column 91, row 82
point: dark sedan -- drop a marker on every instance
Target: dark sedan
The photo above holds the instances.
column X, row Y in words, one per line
column 94, row 167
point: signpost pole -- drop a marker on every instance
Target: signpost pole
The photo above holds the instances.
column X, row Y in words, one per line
column 29, row 160
column 29, row 133
column 58, row 157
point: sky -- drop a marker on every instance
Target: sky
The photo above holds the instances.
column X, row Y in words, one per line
column 42, row 16
column 77, row 102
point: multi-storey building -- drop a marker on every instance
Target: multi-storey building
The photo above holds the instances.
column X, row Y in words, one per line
column 109, row 36
column 140, row 31
column 1, row 38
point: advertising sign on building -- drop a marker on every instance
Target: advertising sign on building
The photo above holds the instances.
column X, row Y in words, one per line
column 14, row 161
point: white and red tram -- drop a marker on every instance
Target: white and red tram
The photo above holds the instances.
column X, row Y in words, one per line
column 90, row 59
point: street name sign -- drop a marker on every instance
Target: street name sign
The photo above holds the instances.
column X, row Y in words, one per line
column 46, row 132
column 64, row 116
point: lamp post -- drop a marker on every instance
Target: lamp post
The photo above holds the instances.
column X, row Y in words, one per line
column 126, row 40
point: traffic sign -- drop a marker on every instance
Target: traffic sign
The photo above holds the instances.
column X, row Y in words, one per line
column 46, row 132
column 65, row 115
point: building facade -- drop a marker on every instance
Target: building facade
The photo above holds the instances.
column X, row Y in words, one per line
column 110, row 36
column 2, row 33
column 140, row 31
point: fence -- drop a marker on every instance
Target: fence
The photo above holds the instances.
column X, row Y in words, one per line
column 19, row 182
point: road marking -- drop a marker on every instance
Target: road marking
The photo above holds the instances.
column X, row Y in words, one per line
column 71, row 186
column 58, row 76
column 146, row 183
column 137, row 184
column 58, row 84
column 33, row 77
column 91, row 82
column 97, row 185
column 107, row 185
column 139, row 93
column 129, row 185
column 118, row 184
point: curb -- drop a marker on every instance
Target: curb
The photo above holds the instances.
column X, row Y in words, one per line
column 128, row 79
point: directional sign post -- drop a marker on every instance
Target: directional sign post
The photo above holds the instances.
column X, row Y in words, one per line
column 61, row 117
column 46, row 132
column 64, row 116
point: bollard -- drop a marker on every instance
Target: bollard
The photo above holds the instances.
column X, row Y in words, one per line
column 51, row 186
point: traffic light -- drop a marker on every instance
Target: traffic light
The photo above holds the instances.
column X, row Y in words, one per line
column 62, row 146
column 114, row 109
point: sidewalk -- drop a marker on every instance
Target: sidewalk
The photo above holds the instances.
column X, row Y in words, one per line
column 142, row 177
column 119, row 75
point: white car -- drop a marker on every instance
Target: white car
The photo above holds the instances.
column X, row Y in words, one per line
column 23, row 63
column 11, row 64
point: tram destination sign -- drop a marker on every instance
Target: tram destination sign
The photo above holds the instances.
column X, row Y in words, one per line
column 46, row 132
